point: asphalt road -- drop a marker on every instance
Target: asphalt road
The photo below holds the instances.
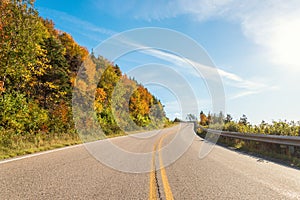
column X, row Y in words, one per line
column 77, row 173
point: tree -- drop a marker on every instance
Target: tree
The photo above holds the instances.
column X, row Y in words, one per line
column 21, row 58
column 228, row 119
column 177, row 120
column 38, row 67
column 109, row 79
column 139, row 106
column 203, row 119
column 191, row 117
column 100, row 97
column 121, row 101
column 75, row 54
column 53, row 85
column 209, row 118
column 220, row 118
column 243, row 120
column 157, row 112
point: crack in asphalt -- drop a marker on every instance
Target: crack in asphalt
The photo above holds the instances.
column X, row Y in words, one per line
column 157, row 185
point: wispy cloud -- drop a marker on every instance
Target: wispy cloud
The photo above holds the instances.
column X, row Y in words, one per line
column 243, row 94
column 272, row 24
column 228, row 78
column 186, row 65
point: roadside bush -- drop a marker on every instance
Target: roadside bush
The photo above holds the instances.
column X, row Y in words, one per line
column 22, row 115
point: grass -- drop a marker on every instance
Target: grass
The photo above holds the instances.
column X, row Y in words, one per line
column 260, row 149
column 16, row 145
column 27, row 147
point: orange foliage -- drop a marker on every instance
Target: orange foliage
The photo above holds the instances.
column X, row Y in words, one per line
column 141, row 101
column 61, row 111
column 203, row 119
column 2, row 89
column 100, row 95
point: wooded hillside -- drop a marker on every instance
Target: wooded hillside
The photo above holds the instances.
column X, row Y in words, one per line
column 38, row 68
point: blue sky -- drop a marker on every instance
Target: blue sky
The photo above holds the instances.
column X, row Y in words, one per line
column 254, row 44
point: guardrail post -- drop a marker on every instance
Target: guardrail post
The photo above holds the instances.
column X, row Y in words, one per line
column 297, row 152
column 291, row 150
column 283, row 149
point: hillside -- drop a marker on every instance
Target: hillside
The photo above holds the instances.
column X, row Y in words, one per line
column 38, row 69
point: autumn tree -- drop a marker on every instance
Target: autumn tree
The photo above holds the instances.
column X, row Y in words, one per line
column 140, row 104
column 38, row 69
column 22, row 57
column 75, row 54
column 203, row 119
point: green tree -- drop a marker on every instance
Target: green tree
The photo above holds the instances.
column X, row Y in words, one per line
column 227, row 119
column 54, row 85
column 243, row 120
column 21, row 115
column 22, row 57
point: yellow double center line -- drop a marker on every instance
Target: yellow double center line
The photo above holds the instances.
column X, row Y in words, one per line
column 153, row 185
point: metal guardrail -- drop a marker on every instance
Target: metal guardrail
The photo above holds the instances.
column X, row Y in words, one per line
column 275, row 139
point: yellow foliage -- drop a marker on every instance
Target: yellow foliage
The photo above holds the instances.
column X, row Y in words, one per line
column 100, row 96
column 51, row 85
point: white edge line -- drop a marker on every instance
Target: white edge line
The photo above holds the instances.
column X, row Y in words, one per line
column 8, row 160
column 61, row 149
column 38, row 154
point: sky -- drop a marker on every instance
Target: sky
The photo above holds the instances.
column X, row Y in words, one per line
column 253, row 44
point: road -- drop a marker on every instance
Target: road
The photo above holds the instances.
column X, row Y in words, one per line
column 77, row 173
